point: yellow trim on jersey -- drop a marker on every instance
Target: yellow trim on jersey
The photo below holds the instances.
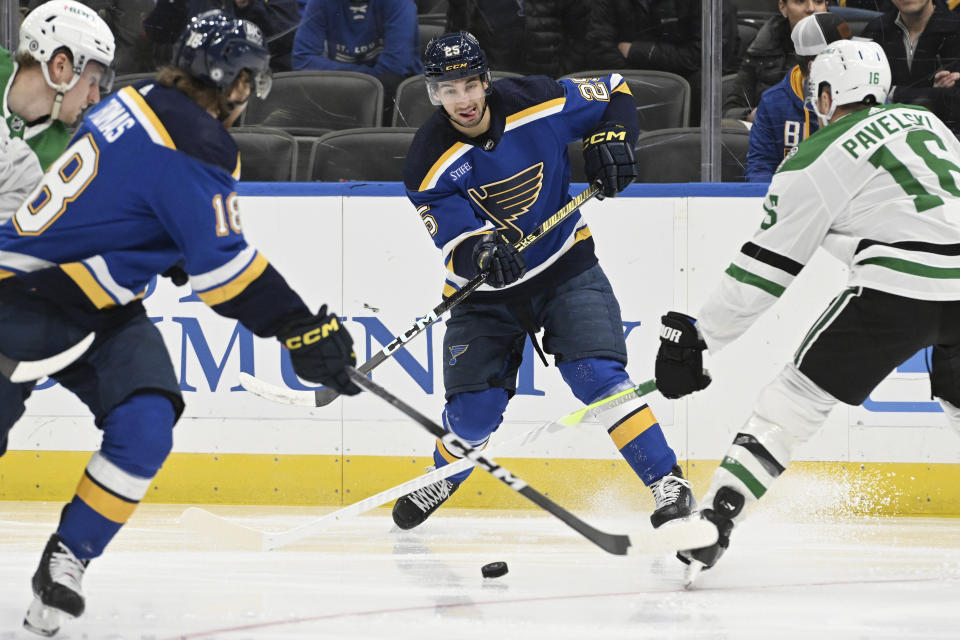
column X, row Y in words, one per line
column 236, row 170
column 623, row 87
column 439, row 165
column 6, row 274
column 950, row 3
column 111, row 507
column 235, row 287
column 535, row 109
column 796, row 83
column 79, row 273
column 448, row 290
column 582, row 234
column 146, row 111
column 632, row 427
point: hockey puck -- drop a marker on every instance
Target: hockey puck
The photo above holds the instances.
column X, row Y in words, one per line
column 494, row 569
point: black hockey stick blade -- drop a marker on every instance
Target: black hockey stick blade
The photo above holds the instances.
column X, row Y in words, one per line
column 611, row 543
column 29, row 370
column 325, row 396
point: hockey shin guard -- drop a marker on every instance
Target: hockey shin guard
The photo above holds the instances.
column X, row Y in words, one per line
column 788, row 412
column 637, row 435
column 137, row 439
column 472, row 416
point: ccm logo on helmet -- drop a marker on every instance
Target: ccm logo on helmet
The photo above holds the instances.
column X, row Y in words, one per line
column 313, row 335
column 451, row 67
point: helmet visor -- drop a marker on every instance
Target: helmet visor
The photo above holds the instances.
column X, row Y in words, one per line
column 106, row 81
column 459, row 90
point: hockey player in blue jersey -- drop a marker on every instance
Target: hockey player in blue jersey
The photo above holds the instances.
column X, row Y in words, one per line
column 487, row 168
column 148, row 182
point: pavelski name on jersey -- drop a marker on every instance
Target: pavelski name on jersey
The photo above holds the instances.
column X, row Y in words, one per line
column 879, row 189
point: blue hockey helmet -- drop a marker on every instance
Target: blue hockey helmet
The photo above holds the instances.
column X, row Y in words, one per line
column 453, row 56
column 215, row 48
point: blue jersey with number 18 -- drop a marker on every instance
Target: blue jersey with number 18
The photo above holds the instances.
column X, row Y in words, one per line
column 148, row 181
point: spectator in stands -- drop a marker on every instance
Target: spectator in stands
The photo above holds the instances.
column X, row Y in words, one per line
column 660, row 35
column 278, row 19
column 377, row 37
column 533, row 37
column 782, row 119
column 768, row 58
column 135, row 54
column 922, row 41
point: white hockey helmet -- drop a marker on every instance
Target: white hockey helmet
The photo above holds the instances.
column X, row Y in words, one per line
column 855, row 70
column 67, row 24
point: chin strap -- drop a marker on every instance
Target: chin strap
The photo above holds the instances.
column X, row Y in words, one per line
column 57, row 103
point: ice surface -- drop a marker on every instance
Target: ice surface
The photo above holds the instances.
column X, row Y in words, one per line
column 824, row 577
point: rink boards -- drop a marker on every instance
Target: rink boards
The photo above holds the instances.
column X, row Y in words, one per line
column 363, row 250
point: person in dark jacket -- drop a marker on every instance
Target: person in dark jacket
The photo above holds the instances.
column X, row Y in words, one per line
column 768, row 58
column 659, row 35
column 532, row 37
column 278, row 19
column 927, row 72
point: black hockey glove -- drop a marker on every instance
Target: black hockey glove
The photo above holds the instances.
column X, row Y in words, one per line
column 502, row 263
column 608, row 159
column 320, row 349
column 679, row 370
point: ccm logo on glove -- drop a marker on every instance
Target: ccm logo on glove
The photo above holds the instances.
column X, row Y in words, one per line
column 313, row 335
column 605, row 136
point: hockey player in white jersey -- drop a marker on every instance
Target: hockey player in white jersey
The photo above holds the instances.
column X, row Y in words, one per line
column 879, row 186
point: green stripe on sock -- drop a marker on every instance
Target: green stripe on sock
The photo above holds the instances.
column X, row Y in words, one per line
column 914, row 268
column 753, row 279
column 744, row 476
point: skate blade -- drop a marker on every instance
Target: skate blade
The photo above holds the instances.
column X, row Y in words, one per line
column 42, row 620
column 690, row 575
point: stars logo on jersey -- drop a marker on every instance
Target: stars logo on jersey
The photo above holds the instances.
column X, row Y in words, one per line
column 16, row 124
column 506, row 200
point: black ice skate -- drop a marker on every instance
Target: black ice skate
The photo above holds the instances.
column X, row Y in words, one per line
column 727, row 505
column 56, row 587
column 673, row 498
column 415, row 507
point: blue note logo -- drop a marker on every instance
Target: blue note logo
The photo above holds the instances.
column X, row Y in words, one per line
column 456, row 351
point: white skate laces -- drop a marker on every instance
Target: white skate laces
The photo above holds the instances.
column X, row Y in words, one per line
column 431, row 495
column 66, row 569
column 667, row 490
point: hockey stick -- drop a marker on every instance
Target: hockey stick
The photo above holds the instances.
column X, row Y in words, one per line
column 238, row 535
column 29, row 370
column 671, row 536
column 324, row 396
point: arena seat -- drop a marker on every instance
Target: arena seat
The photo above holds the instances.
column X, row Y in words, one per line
column 673, row 155
column 328, row 100
column 266, row 154
column 662, row 98
column 371, row 154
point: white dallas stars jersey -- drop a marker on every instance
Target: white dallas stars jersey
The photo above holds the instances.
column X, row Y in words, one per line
column 883, row 185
